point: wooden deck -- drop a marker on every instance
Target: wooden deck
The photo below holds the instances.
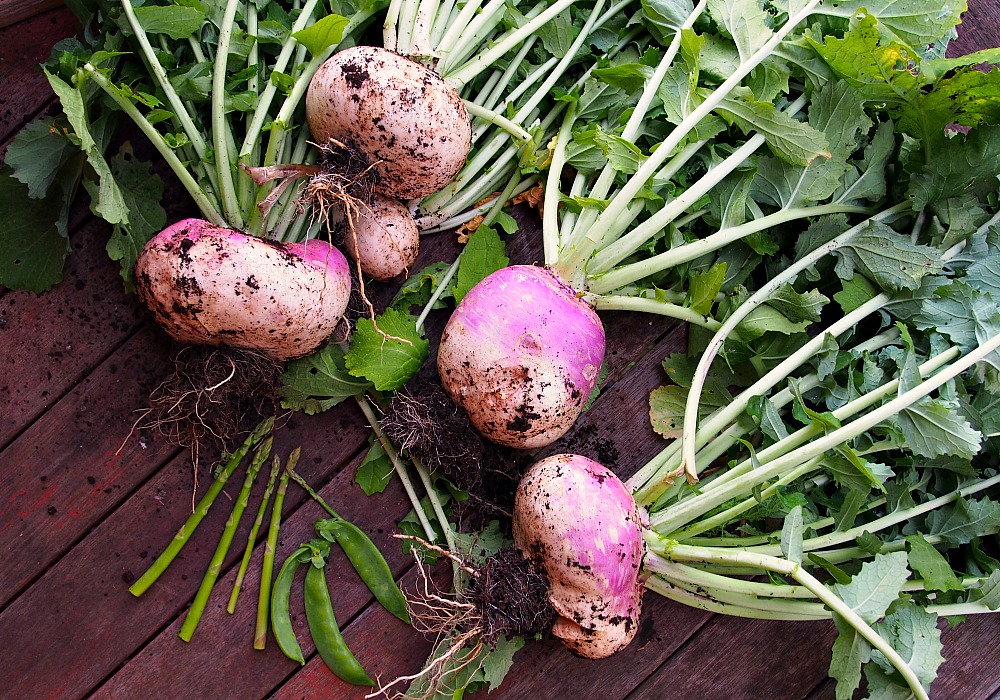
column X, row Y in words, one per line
column 86, row 507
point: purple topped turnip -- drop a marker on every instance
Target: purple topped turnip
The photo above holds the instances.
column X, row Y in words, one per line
column 208, row 285
column 521, row 354
column 576, row 520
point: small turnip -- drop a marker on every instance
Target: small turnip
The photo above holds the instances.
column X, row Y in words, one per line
column 576, row 521
column 403, row 117
column 521, row 354
column 208, row 285
column 383, row 238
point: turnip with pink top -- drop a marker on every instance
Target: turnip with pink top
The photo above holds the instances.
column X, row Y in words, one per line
column 521, row 354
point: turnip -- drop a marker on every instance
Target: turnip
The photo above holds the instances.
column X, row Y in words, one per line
column 209, row 285
column 382, row 237
column 521, row 354
column 410, row 124
column 576, row 520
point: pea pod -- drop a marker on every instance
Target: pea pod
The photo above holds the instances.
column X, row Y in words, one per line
column 368, row 561
column 326, row 634
column 281, row 619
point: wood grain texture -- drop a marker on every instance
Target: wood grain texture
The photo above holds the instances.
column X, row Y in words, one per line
column 13, row 11
column 23, row 46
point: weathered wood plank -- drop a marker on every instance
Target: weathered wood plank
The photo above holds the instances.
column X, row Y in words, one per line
column 98, row 625
column 65, row 473
column 737, row 658
column 13, row 11
column 22, row 47
column 980, row 28
column 56, row 338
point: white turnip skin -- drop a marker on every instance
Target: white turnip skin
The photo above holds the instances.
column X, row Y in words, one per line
column 401, row 115
column 384, row 240
column 208, row 285
column 521, row 354
column 576, row 520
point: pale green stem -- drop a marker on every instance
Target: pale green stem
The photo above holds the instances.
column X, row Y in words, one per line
column 497, row 119
column 438, row 291
column 688, row 434
column 601, row 283
column 220, row 124
column 471, row 69
column 694, row 507
column 204, row 203
column 652, row 306
column 397, row 465
column 439, row 513
column 550, row 223
column 390, row 34
column 664, row 150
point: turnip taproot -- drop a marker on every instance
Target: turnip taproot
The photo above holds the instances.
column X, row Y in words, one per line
column 403, row 117
column 521, row 354
column 209, row 285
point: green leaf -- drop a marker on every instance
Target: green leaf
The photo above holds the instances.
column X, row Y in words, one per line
column 869, row 542
column 704, row 286
column 499, row 660
column 34, row 242
column 766, row 415
column 888, row 258
column 37, row 153
column 766, row 319
column 745, row 21
column 917, row 22
column 934, row 427
column 791, row 535
column 797, row 306
column 376, row 470
column 964, row 519
column 794, row 141
column 664, row 17
column 483, row 255
column 931, row 565
column 869, row 594
column 912, row 632
column 666, row 407
column 321, row 35
column 967, row 165
column 320, row 381
column 388, row 351
column 630, row 77
column 875, row 586
column 557, row 34
column 141, row 191
column 418, row 288
column 176, row 21
column 988, row 592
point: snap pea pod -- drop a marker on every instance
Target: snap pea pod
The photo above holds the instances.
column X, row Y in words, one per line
column 281, row 618
column 364, row 556
column 368, row 561
column 326, row 634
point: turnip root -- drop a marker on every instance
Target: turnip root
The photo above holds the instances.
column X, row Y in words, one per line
column 382, row 237
column 576, row 520
column 208, row 285
column 521, row 354
column 403, row 117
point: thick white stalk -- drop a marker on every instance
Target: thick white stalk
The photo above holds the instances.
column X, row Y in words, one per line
column 601, row 283
column 688, row 439
column 652, row 306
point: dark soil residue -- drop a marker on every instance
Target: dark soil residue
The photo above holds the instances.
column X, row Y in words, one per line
column 423, row 420
column 214, row 397
column 511, row 595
